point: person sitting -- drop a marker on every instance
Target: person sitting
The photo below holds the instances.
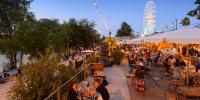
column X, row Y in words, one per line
column 139, row 73
column 183, row 64
column 73, row 92
column 165, row 63
column 102, row 90
column 177, row 66
column 131, row 64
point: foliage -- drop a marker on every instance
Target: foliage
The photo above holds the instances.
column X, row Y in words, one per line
column 185, row 21
column 110, row 42
column 94, row 59
column 82, row 34
column 13, row 13
column 52, row 34
column 117, row 56
column 9, row 47
column 193, row 13
column 21, row 32
column 33, row 37
column 40, row 78
column 125, row 30
column 196, row 12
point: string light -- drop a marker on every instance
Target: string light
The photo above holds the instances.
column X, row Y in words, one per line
column 103, row 20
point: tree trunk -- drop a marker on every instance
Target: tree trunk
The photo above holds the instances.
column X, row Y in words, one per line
column 21, row 57
column 13, row 60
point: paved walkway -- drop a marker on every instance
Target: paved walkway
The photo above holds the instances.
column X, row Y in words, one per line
column 117, row 87
column 4, row 89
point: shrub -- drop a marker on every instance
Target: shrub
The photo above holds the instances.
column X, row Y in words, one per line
column 39, row 79
column 94, row 59
column 117, row 56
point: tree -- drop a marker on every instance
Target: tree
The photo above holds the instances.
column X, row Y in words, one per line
column 196, row 12
column 185, row 21
column 125, row 30
column 54, row 33
column 82, row 34
column 35, row 36
column 193, row 13
column 22, row 36
column 10, row 48
column 39, row 79
column 13, row 13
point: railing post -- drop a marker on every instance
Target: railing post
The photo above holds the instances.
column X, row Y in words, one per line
column 58, row 95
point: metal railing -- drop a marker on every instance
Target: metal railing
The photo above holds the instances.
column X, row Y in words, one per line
column 62, row 91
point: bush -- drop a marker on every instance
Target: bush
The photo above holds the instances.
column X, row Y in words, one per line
column 94, row 59
column 39, row 79
column 117, row 56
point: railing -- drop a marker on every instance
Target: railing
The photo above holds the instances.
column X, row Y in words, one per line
column 62, row 91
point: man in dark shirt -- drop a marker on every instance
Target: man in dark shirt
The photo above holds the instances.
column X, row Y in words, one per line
column 102, row 90
column 72, row 93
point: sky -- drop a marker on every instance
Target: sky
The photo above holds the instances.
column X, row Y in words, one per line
column 114, row 12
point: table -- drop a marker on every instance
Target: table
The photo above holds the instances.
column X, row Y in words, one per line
column 176, row 83
column 90, row 95
column 189, row 91
column 196, row 78
column 99, row 75
column 194, row 74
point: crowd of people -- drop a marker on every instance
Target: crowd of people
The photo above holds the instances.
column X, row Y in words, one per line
column 141, row 58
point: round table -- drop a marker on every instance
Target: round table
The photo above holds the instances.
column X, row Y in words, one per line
column 189, row 91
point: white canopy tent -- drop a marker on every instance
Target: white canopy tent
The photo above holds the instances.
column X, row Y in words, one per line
column 136, row 41
column 181, row 36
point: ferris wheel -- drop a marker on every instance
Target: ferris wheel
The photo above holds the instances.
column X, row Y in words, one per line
column 149, row 18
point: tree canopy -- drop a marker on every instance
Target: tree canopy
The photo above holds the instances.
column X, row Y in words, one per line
column 13, row 13
column 33, row 37
column 82, row 33
column 195, row 12
column 125, row 30
column 185, row 21
column 38, row 79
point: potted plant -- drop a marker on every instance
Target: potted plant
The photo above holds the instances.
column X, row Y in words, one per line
column 117, row 56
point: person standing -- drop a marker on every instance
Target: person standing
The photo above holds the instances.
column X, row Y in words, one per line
column 197, row 62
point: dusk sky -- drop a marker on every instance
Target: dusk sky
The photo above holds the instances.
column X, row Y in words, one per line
column 114, row 11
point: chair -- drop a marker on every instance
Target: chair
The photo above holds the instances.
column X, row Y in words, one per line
column 170, row 96
column 155, row 80
column 176, row 82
